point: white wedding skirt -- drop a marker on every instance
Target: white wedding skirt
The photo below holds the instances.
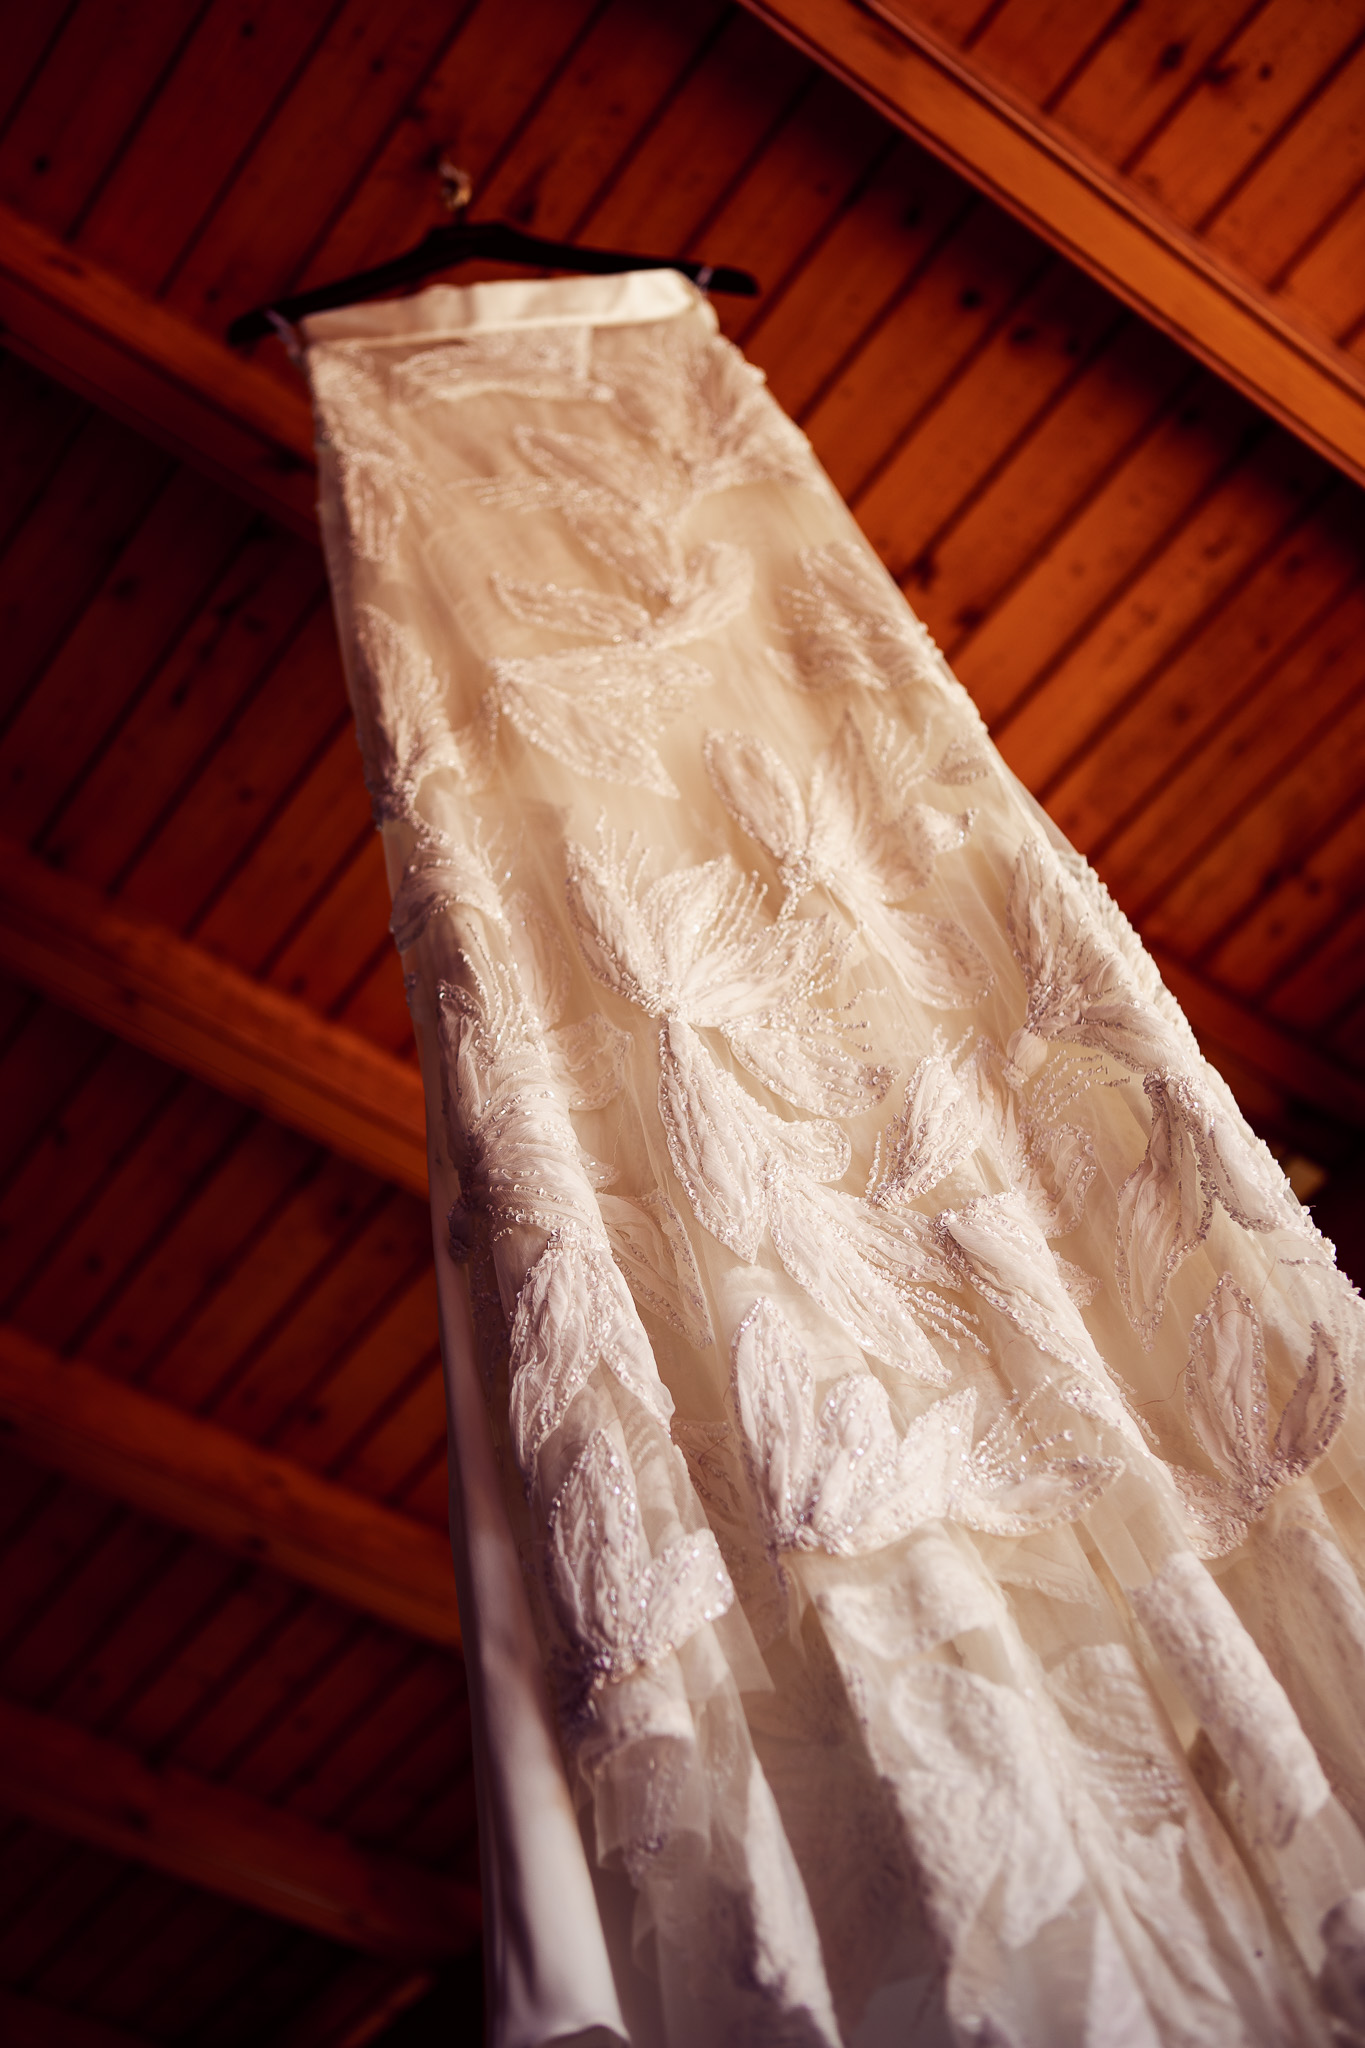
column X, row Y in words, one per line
column 905, row 1461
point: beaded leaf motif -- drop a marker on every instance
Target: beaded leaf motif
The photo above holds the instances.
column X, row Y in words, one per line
column 623, row 1608
column 693, row 947
column 1227, row 1399
column 838, row 1478
column 862, row 839
column 846, row 623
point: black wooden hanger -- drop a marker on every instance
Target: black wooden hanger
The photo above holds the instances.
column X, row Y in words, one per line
column 492, row 241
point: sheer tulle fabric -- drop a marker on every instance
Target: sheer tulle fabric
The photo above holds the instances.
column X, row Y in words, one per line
column 906, row 1477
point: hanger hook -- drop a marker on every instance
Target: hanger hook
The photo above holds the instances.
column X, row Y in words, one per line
column 457, row 187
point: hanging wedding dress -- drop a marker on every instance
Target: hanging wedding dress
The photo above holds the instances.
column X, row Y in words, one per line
column 905, row 1477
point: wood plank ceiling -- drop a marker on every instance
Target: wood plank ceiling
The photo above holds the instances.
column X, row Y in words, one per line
column 1155, row 593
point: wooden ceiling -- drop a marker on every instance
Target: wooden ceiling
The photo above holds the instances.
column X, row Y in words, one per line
column 214, row 1255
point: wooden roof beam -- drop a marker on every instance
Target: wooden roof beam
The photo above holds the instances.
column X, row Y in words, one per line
column 358, row 2005
column 184, row 389
column 200, row 1476
column 1074, row 201
column 262, row 1856
column 32, row 2023
column 177, row 1001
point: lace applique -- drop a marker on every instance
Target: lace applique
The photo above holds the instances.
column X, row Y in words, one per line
column 1003, row 1255
column 1142, row 970
column 846, row 838
column 1228, row 1402
column 1078, row 987
column 518, row 1155
column 1048, row 1164
column 1194, row 1162
column 692, row 947
column 1231, row 1688
column 622, row 1608
column 626, row 503
column 598, row 710
column 715, row 1466
column 408, row 736
column 848, row 624
column 928, row 1140
column 695, row 398
column 962, row 761
column 573, row 1314
column 543, row 362
column 655, row 1254
column 1125, row 1756
column 973, row 1783
column 442, row 872
column 879, row 1273
column 839, row 1479
column 381, row 479
column 710, row 587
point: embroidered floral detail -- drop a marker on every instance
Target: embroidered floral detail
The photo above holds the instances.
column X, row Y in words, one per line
column 928, row 1140
column 1078, row 986
column 441, row 871
column 512, row 1083
column 845, row 838
column 534, row 362
column 1228, row 1402
column 1048, row 1163
column 840, row 1479
column 719, row 1475
column 573, row 1314
column 962, row 761
column 626, row 501
column 694, row 397
column 622, row 1608
column 712, row 585
column 407, row 735
column 1228, row 1683
column 381, row 479
column 655, row 1254
column 693, row 947
column 848, row 624
column 1001, row 1253
column 1195, row 1161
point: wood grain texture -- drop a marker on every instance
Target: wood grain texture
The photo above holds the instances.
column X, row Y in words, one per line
column 1035, row 170
column 178, row 1002
column 32, row 2023
column 228, row 1842
column 184, row 389
column 200, row 1476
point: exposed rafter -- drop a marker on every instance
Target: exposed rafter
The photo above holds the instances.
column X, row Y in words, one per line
column 263, row 1856
column 203, row 1477
column 179, row 1002
column 182, row 388
column 1297, row 1069
column 358, row 2005
column 32, row 2023
column 1102, row 222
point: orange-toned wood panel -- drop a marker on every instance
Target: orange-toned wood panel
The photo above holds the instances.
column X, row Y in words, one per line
column 114, row 1624
column 1243, row 123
